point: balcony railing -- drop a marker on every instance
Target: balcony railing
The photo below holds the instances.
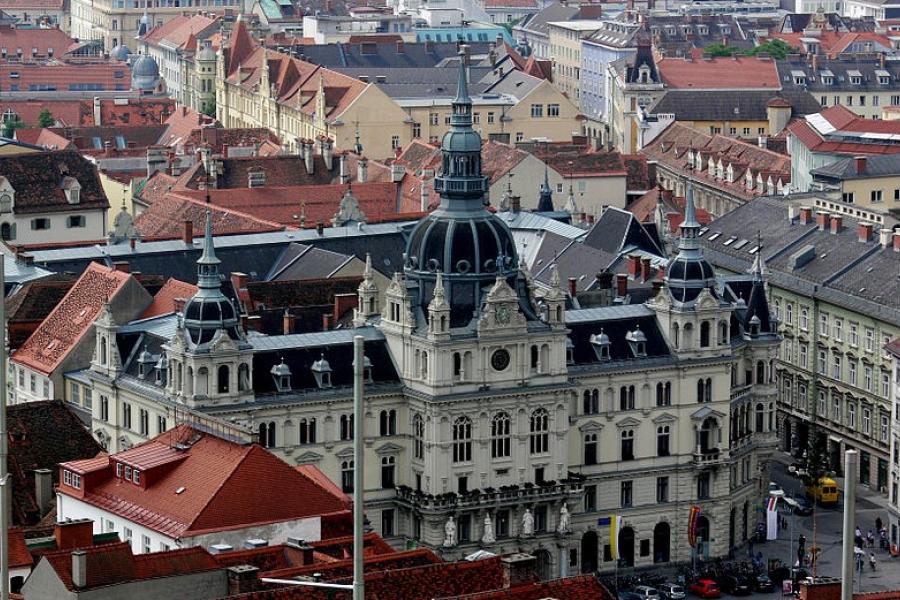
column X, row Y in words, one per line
column 466, row 186
column 489, row 497
column 713, row 456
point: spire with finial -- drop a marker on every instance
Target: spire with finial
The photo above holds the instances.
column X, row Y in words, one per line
column 208, row 265
column 545, row 198
column 358, row 146
column 758, row 262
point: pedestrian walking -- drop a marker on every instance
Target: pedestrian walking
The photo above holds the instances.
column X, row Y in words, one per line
column 870, row 538
column 872, row 560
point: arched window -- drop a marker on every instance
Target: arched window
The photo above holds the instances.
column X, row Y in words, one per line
column 701, row 391
column 418, row 436
column 346, row 427
column 307, row 431
column 223, row 377
column 462, row 439
column 267, row 435
column 244, row 377
column 388, row 466
column 590, row 449
column 626, row 397
column 347, row 476
column 676, row 335
column 704, row 334
column 760, row 417
column 760, row 372
column 664, row 393
column 662, row 440
column 500, row 435
column 103, row 357
column 387, row 422
column 628, row 444
column 535, row 359
column 591, row 402
column 723, row 333
column 540, row 428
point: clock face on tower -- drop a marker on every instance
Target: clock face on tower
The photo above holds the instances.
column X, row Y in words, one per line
column 500, row 359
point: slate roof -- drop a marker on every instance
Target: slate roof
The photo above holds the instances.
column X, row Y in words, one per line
column 42, row 434
column 730, row 105
column 38, row 177
column 841, row 69
column 342, row 56
column 887, row 165
column 226, row 486
column 540, row 21
column 302, row 261
column 679, row 35
column 72, row 318
column 114, row 564
column 840, row 265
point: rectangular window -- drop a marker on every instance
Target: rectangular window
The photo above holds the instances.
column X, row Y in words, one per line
column 875, row 196
column 851, row 365
column 502, row 523
column 838, row 331
column 88, row 398
column 145, row 422
column 823, row 324
column 662, row 490
column 854, row 334
column 520, row 136
column 870, row 340
column 104, row 408
column 127, row 534
column 490, row 117
column 703, row 480
column 867, row 421
column 126, row 415
column 75, row 395
column 867, row 378
column 145, row 543
column 76, row 221
column 387, row 522
column 464, row 528
column 40, row 224
column 590, row 498
column 417, row 130
column 432, row 119
column 395, row 142
column 836, row 367
column 161, row 425
column 626, row 494
column 553, row 110
column 476, row 118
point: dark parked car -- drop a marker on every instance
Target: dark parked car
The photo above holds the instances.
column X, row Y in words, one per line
column 762, row 583
column 736, row 586
column 804, row 506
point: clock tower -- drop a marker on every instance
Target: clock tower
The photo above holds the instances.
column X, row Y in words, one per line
column 481, row 350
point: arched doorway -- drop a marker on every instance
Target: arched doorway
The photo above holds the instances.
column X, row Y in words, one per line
column 626, row 546
column 542, row 563
column 589, row 552
column 661, row 535
column 703, row 536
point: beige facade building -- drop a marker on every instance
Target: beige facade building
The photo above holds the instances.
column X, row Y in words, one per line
column 565, row 50
column 870, row 182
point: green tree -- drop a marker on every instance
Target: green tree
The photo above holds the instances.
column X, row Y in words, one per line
column 775, row 48
column 10, row 126
column 45, row 119
column 210, row 109
column 719, row 49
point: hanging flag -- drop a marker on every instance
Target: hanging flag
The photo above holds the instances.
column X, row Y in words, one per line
column 772, row 503
column 772, row 518
column 615, row 526
column 692, row 525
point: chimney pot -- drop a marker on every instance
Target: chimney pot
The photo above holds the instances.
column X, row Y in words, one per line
column 634, row 265
column 187, row 234
column 573, row 287
column 645, row 269
column 805, row 215
column 822, row 219
column 621, row 285
column 864, row 232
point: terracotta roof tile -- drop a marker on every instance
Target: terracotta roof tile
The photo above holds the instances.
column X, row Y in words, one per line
column 164, row 300
column 181, row 32
column 38, row 180
column 72, row 318
column 165, row 218
column 226, row 486
column 27, row 39
column 56, row 75
column 719, row 73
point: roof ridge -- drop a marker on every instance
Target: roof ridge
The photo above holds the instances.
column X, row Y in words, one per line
column 246, row 450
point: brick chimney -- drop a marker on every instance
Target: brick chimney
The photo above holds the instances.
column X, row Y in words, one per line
column 122, row 266
column 860, row 164
column 327, row 322
column 515, row 203
column 645, row 269
column 344, row 303
column 74, row 534
column 518, row 568
column 634, row 265
column 242, row 579
column 864, row 232
column 178, row 304
column 254, row 323
column 573, row 287
column 187, row 233
column 621, row 285
column 837, row 222
column 287, row 322
column 822, row 219
column 238, row 280
column 400, row 49
column 805, row 215
column 362, row 169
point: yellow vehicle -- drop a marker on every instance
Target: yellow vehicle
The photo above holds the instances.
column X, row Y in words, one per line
column 824, row 492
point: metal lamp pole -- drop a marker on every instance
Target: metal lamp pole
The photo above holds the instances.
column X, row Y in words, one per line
column 358, row 482
column 5, row 482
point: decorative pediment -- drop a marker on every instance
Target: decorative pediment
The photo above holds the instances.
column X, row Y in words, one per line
column 388, row 448
column 500, row 312
column 704, row 412
column 664, row 418
column 308, row 458
column 628, row 422
column 590, row 426
column 345, row 453
column 706, row 301
column 222, row 342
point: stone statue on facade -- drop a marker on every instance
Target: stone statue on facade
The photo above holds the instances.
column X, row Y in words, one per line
column 450, row 532
column 563, row 519
column 488, row 536
column 527, row 523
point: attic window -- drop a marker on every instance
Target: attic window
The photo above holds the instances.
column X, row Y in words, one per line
column 136, row 476
column 72, row 479
column 730, row 241
column 855, row 77
column 119, row 470
column 179, row 490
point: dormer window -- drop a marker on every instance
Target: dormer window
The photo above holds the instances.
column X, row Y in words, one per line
column 855, row 77
column 702, row 29
column 754, row 325
column 72, row 189
column 799, row 77
column 136, row 477
column 127, row 472
column 322, row 372
column 601, row 345
column 644, row 74
column 119, row 470
column 884, row 77
column 637, row 341
column 281, row 373
column 7, row 195
column 145, row 364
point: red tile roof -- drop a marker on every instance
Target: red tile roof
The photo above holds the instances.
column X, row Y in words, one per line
column 225, row 486
column 181, row 32
column 47, row 138
column 135, row 111
column 164, row 300
column 37, row 5
column 56, row 75
column 112, row 564
column 719, row 73
column 19, row 556
column 72, row 318
column 845, row 121
column 28, row 39
column 165, row 218
column 644, row 209
column 156, row 187
column 320, row 479
column 67, row 112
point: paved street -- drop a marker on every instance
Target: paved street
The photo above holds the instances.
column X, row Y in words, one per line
column 828, row 535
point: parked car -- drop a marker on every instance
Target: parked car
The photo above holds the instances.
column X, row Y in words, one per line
column 775, row 489
column 762, row 583
column 705, row 588
column 645, row 592
column 672, row 591
column 628, row 596
column 804, row 507
column 734, row 585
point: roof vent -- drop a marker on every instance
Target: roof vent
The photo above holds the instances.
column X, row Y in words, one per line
column 220, row 548
column 803, row 256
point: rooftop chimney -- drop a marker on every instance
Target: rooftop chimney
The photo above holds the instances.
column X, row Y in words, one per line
column 400, row 48
column 74, row 534
column 805, row 215
column 362, row 169
column 792, row 213
column 645, row 269
column 187, row 234
column 328, row 153
column 836, row 222
column 307, row 147
column 573, row 287
column 885, row 237
column 79, row 569
column 43, row 489
column 864, row 232
column 242, row 579
column 342, row 166
column 621, row 285
column 287, row 322
column 515, row 203
column 822, row 219
column 122, row 266
column 634, row 265
column 178, row 304
column 860, row 164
